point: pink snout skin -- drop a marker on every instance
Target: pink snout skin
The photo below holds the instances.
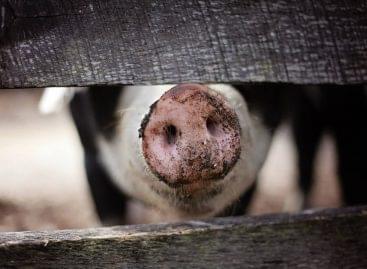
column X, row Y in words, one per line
column 190, row 135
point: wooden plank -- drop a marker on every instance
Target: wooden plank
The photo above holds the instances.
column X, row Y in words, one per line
column 64, row 43
column 334, row 238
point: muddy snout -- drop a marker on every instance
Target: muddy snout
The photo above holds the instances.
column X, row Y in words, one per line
column 191, row 134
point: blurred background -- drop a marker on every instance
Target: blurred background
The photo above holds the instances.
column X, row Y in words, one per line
column 43, row 184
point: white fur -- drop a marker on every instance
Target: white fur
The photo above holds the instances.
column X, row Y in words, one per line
column 56, row 98
column 124, row 158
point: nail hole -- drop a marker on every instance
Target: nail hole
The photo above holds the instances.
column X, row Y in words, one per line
column 171, row 134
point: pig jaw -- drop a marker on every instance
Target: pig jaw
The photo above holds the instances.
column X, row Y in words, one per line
column 133, row 175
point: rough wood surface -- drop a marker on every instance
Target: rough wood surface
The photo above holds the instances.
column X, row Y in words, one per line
column 334, row 238
column 62, row 43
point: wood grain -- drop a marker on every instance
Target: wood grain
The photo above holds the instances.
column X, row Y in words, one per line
column 64, row 43
column 333, row 238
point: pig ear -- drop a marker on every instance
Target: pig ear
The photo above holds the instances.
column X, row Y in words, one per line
column 55, row 98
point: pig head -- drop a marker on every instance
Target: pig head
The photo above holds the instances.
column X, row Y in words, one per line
column 188, row 150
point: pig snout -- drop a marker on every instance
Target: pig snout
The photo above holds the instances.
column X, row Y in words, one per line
column 190, row 135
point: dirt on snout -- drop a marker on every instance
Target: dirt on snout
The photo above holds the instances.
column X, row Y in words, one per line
column 191, row 134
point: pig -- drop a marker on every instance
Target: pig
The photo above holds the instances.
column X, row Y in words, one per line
column 189, row 150
column 194, row 151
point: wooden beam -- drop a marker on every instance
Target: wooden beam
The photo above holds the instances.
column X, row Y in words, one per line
column 65, row 43
column 333, row 238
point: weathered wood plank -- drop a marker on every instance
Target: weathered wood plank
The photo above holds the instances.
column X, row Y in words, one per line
column 63, row 43
column 334, row 238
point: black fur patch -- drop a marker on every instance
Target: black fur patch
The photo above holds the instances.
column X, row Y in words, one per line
column 104, row 101
column 268, row 100
column 90, row 114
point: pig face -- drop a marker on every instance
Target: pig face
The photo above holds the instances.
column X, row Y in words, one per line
column 189, row 149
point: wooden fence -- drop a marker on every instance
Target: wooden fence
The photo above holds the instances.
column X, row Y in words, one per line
column 333, row 238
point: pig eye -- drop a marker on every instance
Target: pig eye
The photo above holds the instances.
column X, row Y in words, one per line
column 212, row 126
column 171, row 133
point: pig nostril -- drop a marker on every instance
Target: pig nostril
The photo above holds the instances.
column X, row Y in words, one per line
column 212, row 126
column 171, row 134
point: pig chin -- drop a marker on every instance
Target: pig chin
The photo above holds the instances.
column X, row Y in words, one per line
column 202, row 198
column 193, row 198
